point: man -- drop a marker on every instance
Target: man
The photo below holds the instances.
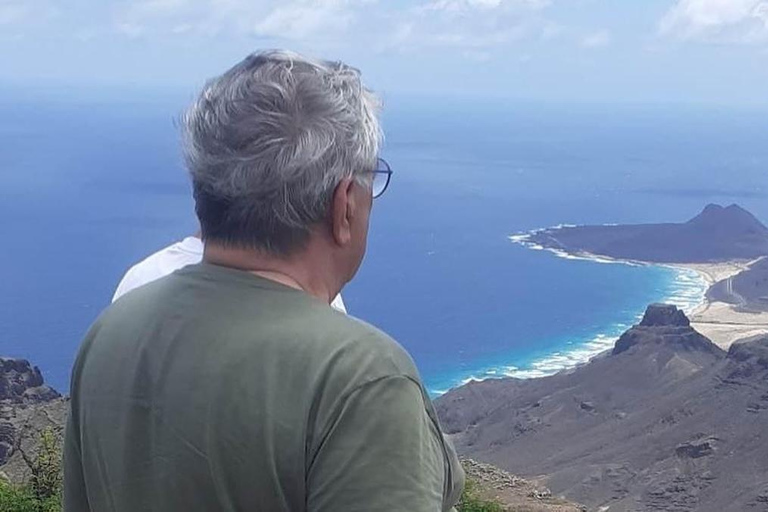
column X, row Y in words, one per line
column 232, row 385
column 169, row 259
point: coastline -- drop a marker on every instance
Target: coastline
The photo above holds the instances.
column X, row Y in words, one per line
column 687, row 289
column 721, row 322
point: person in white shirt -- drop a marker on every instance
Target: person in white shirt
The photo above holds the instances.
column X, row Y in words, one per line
column 165, row 261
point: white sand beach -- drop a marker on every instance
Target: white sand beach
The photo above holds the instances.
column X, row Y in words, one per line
column 721, row 322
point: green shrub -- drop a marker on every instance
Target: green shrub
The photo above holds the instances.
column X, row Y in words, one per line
column 472, row 502
column 22, row 499
column 46, row 478
column 43, row 491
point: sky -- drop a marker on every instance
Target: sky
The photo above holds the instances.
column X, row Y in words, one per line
column 663, row 51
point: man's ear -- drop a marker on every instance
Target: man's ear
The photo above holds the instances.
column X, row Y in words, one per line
column 342, row 211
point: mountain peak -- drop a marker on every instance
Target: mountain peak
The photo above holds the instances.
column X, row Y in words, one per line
column 659, row 315
column 733, row 218
column 665, row 327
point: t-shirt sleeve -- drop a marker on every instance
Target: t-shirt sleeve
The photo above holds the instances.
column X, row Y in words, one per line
column 382, row 452
column 129, row 281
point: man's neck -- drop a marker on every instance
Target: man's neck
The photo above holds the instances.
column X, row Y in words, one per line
column 296, row 271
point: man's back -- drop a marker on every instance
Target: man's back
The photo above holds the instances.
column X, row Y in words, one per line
column 222, row 390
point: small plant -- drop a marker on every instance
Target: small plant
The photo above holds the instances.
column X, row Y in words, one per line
column 43, row 491
column 472, row 502
column 15, row 498
column 46, row 479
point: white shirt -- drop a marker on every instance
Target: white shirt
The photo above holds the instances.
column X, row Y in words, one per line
column 165, row 261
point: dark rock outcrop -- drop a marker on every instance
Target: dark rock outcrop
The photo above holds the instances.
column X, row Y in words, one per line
column 667, row 326
column 716, row 234
column 664, row 315
column 696, row 448
column 666, row 421
column 21, row 382
column 27, row 407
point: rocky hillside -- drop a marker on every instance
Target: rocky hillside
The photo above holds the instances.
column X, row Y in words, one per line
column 512, row 493
column 666, row 421
column 27, row 407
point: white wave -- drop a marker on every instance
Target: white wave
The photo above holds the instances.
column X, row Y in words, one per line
column 587, row 257
column 526, row 374
column 552, row 363
column 687, row 291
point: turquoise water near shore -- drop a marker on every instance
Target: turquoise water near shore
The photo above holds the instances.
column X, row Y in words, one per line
column 681, row 287
column 90, row 187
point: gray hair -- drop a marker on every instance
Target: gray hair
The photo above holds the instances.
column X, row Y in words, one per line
column 267, row 142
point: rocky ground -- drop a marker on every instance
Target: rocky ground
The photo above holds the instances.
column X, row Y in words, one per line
column 513, row 493
column 666, row 421
column 27, row 407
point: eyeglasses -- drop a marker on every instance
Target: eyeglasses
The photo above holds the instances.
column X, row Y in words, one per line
column 381, row 177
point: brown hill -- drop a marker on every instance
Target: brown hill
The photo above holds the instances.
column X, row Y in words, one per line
column 666, row 421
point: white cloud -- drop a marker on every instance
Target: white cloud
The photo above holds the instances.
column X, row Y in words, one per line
column 472, row 27
column 131, row 30
column 300, row 20
column 742, row 21
column 477, row 56
column 160, row 6
column 12, row 13
column 597, row 39
column 551, row 30
column 18, row 12
column 286, row 19
column 464, row 5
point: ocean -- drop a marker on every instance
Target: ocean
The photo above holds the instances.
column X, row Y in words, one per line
column 90, row 186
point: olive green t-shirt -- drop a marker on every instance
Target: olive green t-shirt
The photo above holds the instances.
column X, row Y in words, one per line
column 216, row 390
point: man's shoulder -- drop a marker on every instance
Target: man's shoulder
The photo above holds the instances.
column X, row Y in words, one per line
column 362, row 352
column 157, row 265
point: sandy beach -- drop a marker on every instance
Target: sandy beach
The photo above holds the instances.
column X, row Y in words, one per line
column 721, row 322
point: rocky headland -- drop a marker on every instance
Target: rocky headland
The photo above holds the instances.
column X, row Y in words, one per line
column 717, row 234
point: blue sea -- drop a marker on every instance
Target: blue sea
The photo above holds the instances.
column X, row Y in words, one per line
column 90, row 185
